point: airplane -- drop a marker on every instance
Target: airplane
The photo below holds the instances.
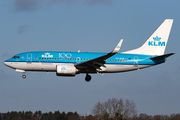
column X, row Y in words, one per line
column 71, row 63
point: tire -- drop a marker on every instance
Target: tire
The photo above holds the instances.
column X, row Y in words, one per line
column 24, row 76
column 88, row 78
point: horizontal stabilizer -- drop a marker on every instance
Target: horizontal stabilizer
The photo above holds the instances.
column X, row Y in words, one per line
column 162, row 56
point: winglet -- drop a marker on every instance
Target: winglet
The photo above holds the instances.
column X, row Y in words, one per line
column 118, row 46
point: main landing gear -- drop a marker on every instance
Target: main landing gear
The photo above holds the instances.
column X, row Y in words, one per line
column 88, row 77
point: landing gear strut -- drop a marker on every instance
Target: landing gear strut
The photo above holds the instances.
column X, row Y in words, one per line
column 87, row 78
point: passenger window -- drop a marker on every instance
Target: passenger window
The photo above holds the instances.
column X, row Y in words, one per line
column 39, row 58
column 57, row 58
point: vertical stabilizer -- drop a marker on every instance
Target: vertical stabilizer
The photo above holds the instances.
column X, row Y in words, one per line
column 156, row 43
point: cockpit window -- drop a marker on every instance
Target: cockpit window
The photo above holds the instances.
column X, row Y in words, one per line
column 16, row 57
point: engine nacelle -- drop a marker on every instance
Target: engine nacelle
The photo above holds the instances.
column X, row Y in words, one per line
column 65, row 70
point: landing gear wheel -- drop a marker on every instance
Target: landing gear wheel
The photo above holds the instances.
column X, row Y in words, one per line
column 88, row 78
column 24, row 76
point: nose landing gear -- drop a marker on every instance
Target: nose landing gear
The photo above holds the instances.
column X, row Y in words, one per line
column 22, row 71
column 24, row 76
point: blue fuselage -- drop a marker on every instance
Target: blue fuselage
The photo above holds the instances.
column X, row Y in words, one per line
column 42, row 61
column 75, row 57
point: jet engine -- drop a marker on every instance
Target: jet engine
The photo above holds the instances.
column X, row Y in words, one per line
column 66, row 70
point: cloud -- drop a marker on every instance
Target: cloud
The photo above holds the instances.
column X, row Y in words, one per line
column 92, row 2
column 32, row 5
column 22, row 29
column 26, row 5
column 67, row 1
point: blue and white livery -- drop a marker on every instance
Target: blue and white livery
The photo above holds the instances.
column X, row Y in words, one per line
column 71, row 63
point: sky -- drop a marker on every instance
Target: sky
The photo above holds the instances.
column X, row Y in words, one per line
column 88, row 26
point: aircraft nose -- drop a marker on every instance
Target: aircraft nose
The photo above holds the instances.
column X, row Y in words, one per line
column 8, row 62
column 5, row 63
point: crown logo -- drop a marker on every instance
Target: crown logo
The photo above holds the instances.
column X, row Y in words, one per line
column 157, row 38
column 63, row 68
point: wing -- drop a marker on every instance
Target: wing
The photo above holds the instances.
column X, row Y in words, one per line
column 96, row 63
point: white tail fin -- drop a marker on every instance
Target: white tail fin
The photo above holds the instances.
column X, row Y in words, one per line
column 157, row 42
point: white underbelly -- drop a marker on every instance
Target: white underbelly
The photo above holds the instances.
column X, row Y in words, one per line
column 110, row 68
column 34, row 66
column 38, row 66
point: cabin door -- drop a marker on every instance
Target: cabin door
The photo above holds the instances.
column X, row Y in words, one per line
column 135, row 61
column 29, row 58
